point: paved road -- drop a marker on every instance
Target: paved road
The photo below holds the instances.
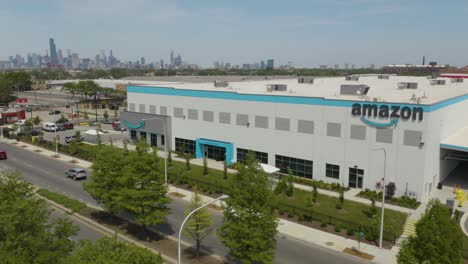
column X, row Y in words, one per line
column 49, row 173
column 86, row 232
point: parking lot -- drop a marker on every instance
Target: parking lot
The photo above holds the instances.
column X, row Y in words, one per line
column 109, row 133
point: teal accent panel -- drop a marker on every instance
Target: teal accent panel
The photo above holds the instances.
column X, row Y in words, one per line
column 137, row 126
column 228, row 146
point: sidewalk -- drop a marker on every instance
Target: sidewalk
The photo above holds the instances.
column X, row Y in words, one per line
column 291, row 229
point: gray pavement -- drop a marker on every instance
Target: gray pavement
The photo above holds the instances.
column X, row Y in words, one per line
column 85, row 233
column 49, row 173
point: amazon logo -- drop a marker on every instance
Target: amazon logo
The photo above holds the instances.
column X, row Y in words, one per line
column 141, row 124
column 393, row 112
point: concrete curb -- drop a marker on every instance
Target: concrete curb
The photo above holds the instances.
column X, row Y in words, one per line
column 463, row 220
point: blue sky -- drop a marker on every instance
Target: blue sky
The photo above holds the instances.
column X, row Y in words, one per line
column 304, row 32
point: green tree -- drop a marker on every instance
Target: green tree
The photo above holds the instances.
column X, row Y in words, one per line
column 116, row 114
column 250, row 225
column 205, row 165
column 105, row 115
column 110, row 250
column 28, row 124
column 314, row 193
column 37, row 120
column 290, row 185
column 340, row 203
column 438, row 239
column 6, row 91
column 372, row 208
column 27, row 235
column 85, row 116
column 144, row 192
column 199, row 223
column 169, row 157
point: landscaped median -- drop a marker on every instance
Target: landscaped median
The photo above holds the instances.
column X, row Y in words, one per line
column 127, row 230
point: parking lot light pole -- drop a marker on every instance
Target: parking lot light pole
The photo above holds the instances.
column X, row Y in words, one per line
column 222, row 197
column 165, row 144
column 383, row 196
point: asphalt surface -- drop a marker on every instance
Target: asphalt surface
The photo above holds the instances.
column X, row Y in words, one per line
column 86, row 232
column 48, row 173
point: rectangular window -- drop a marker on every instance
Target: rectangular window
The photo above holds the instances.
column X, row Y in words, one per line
column 305, row 126
column 163, row 110
column 208, row 116
column 163, row 140
column 333, row 129
column 261, row 121
column 131, row 107
column 133, row 135
column 299, row 167
column 153, row 140
column 186, row 145
column 262, row 157
column 412, row 138
column 224, row 118
column 356, row 177
column 143, row 136
column 142, row 108
column 152, row 109
column 358, row 132
column 332, row 171
column 384, row 135
column 192, row 114
column 178, row 112
column 242, row 119
column 282, row 124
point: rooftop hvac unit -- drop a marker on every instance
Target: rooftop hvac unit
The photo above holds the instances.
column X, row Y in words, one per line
column 383, row 76
column 221, row 84
column 351, row 89
column 305, row 80
column 407, row 85
column 352, row 78
column 456, row 80
column 437, row 82
column 277, row 87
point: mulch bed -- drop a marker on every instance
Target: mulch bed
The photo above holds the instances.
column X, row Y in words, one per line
column 331, row 229
column 360, row 254
column 73, row 161
column 176, row 194
column 55, row 156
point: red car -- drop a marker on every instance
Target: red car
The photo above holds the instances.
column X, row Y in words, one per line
column 3, row 154
column 68, row 126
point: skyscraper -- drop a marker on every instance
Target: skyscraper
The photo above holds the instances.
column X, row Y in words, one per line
column 270, row 64
column 172, row 59
column 53, row 52
column 59, row 57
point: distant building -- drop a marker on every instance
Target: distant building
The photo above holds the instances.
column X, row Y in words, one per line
column 53, row 52
column 409, row 68
column 270, row 64
column 142, row 61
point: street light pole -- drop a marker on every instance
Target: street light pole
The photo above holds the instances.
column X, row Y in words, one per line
column 383, row 197
column 222, row 197
column 165, row 144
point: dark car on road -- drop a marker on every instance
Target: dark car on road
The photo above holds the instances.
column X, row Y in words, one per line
column 76, row 173
column 55, row 112
column 119, row 128
column 61, row 127
column 3, row 154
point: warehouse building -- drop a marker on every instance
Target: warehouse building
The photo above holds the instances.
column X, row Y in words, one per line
column 341, row 129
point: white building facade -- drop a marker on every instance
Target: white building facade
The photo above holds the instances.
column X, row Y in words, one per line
column 327, row 134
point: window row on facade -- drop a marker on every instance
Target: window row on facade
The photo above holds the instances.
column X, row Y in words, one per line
column 333, row 129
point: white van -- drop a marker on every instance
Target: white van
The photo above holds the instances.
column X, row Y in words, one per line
column 50, row 127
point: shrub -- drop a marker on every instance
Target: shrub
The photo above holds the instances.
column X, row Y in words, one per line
column 349, row 231
column 290, row 214
column 281, row 212
column 189, row 186
column 390, row 190
column 300, row 218
column 323, row 224
column 337, row 228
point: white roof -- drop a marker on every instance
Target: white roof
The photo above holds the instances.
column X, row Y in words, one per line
column 457, row 141
column 268, row 168
column 93, row 132
column 381, row 90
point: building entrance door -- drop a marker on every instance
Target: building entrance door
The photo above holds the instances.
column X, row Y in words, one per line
column 214, row 152
column 355, row 178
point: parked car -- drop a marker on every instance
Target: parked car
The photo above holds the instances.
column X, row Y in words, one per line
column 76, row 173
column 21, row 122
column 61, row 127
column 50, row 127
column 69, row 139
column 34, row 133
column 119, row 128
column 55, row 112
column 107, row 121
column 3, row 154
column 116, row 123
column 68, row 126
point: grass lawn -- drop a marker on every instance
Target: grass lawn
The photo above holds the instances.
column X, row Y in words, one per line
column 353, row 212
column 63, row 200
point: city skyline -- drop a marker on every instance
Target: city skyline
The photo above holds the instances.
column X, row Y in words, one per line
column 306, row 33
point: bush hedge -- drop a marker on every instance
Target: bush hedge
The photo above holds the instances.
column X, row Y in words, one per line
column 403, row 201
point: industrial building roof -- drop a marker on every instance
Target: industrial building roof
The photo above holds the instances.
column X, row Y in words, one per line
column 379, row 88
